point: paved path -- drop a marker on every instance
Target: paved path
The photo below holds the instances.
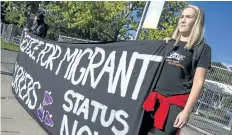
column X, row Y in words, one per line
column 14, row 119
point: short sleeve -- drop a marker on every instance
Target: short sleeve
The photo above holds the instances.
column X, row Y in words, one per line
column 205, row 58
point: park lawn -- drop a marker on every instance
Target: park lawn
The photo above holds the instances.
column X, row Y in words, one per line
column 9, row 46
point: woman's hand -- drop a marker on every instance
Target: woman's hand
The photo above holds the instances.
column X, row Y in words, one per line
column 183, row 116
column 181, row 119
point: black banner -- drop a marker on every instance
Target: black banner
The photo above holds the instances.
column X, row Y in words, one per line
column 87, row 88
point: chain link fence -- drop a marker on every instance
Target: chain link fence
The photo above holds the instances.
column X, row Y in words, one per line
column 66, row 39
column 11, row 33
column 213, row 111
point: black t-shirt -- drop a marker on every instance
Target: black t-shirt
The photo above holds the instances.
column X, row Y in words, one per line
column 177, row 69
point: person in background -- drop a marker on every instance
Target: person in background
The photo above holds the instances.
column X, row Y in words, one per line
column 181, row 79
column 39, row 27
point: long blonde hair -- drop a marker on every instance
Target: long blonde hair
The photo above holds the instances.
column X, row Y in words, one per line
column 196, row 36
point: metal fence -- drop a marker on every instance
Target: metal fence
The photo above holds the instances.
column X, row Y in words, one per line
column 74, row 40
column 11, row 33
column 213, row 111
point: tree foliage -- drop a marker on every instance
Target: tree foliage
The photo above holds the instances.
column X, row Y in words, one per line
column 93, row 20
column 107, row 20
column 97, row 20
column 168, row 21
column 14, row 12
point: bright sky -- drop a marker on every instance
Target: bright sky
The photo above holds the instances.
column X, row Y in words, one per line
column 218, row 28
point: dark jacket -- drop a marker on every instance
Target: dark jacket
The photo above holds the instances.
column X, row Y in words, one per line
column 40, row 28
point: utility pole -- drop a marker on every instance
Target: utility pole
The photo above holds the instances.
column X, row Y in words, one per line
column 142, row 20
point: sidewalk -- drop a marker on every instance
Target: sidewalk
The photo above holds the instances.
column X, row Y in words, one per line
column 15, row 120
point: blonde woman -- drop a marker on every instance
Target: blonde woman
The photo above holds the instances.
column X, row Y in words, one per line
column 168, row 107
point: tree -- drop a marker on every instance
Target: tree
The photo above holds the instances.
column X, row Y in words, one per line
column 168, row 22
column 3, row 11
column 18, row 12
column 93, row 20
column 14, row 12
column 106, row 20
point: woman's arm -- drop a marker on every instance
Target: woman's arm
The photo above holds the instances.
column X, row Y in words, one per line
column 198, row 82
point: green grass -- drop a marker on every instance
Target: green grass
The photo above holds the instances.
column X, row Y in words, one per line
column 9, row 46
